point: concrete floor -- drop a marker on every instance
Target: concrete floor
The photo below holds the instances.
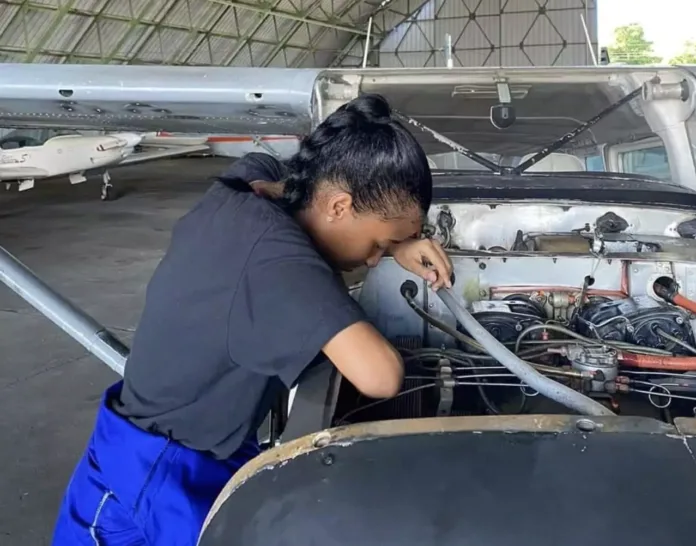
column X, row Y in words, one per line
column 100, row 255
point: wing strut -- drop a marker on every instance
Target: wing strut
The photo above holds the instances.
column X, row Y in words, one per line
column 76, row 323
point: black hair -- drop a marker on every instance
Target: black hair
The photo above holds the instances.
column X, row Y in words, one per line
column 361, row 148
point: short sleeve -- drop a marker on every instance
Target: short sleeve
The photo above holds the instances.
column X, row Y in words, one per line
column 255, row 166
column 288, row 305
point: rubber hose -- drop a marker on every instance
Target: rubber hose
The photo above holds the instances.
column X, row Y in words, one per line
column 668, row 290
column 655, row 362
column 685, row 303
column 544, row 385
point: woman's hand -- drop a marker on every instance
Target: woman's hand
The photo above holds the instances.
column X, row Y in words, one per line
column 411, row 255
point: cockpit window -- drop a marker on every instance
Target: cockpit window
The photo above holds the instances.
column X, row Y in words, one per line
column 595, row 163
column 647, row 161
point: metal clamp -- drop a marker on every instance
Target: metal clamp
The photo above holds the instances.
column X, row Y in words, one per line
column 447, row 383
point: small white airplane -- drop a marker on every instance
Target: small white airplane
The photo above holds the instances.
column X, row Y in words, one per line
column 74, row 155
column 230, row 145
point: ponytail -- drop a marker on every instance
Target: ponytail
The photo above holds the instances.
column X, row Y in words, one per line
column 364, row 150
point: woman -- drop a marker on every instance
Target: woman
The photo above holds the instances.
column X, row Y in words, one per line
column 245, row 299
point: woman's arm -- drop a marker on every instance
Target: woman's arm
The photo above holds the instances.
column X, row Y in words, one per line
column 367, row 360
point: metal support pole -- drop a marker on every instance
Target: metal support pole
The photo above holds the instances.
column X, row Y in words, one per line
column 367, row 43
column 449, row 50
column 76, row 323
column 589, row 40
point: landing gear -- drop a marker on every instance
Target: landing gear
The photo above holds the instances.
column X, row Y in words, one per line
column 108, row 192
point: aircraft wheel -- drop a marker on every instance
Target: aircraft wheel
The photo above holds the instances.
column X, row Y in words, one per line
column 109, row 193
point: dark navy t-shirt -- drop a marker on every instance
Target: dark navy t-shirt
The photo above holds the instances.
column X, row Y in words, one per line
column 240, row 300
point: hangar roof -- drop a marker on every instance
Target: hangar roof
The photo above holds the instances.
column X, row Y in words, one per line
column 282, row 33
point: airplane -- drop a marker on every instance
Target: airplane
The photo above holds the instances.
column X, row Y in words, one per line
column 455, row 102
column 75, row 154
column 509, row 112
column 516, row 230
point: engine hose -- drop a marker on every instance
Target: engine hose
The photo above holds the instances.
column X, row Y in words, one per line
column 544, row 385
column 655, row 362
column 619, row 345
column 675, row 340
column 668, row 289
column 464, row 339
column 685, row 303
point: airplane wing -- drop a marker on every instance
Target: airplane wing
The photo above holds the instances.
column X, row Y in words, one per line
column 19, row 173
column 153, row 98
column 161, row 154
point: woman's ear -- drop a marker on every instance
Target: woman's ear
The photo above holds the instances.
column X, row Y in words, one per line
column 269, row 190
column 340, row 205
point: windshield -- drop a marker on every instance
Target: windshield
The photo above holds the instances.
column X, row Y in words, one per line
column 647, row 158
column 633, row 120
column 11, row 139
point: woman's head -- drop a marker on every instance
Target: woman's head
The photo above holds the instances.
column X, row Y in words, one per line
column 359, row 183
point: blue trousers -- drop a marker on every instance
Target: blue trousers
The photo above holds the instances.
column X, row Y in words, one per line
column 134, row 488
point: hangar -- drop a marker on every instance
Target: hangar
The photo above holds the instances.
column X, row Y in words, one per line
column 300, row 33
column 564, row 195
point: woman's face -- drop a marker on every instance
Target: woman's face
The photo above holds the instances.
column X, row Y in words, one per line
column 351, row 240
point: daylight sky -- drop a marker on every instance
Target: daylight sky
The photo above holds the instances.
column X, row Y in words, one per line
column 667, row 23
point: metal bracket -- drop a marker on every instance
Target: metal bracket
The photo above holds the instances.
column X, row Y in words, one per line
column 446, row 380
column 258, row 141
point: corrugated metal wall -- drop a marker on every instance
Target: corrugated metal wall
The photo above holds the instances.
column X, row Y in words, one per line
column 490, row 33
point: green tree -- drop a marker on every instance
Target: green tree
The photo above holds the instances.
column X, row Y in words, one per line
column 687, row 56
column 631, row 47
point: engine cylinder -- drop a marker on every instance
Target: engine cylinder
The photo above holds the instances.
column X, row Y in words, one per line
column 638, row 321
column 505, row 319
